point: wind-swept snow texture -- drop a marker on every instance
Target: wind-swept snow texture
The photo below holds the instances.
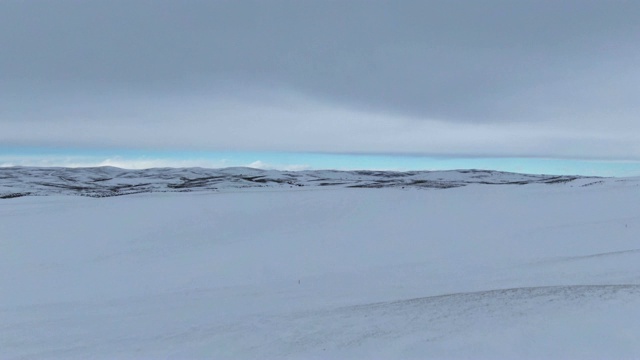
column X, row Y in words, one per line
column 540, row 270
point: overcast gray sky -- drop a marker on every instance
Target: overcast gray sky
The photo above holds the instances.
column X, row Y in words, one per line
column 557, row 78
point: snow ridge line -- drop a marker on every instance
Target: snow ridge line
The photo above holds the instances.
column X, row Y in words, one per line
column 567, row 291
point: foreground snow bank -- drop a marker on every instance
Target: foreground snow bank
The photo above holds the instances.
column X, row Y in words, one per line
column 478, row 272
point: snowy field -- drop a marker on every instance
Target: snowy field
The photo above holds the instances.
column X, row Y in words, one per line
column 480, row 271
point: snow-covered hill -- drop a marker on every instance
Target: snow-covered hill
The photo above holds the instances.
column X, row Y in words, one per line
column 547, row 270
column 110, row 181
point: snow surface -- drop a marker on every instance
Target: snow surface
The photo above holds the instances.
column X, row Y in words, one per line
column 480, row 271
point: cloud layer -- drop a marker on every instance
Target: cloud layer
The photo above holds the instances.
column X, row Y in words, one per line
column 495, row 78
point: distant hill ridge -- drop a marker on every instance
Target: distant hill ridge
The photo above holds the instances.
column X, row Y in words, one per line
column 111, row 181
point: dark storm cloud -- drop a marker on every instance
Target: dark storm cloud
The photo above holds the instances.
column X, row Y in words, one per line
column 572, row 63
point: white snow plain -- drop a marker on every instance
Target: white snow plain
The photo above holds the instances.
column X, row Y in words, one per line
column 481, row 271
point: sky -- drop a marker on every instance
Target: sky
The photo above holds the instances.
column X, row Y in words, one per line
column 282, row 84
